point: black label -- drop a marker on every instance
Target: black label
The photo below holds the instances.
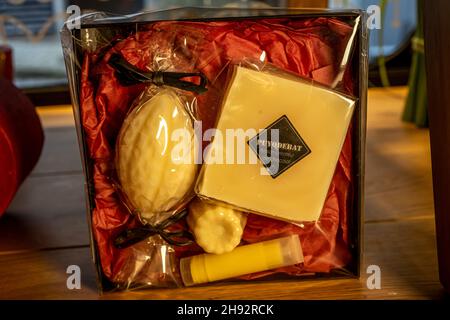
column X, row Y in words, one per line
column 287, row 144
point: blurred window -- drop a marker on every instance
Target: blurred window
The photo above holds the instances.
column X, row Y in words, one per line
column 400, row 20
column 31, row 29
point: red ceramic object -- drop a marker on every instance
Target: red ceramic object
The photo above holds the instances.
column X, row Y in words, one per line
column 6, row 65
column 21, row 140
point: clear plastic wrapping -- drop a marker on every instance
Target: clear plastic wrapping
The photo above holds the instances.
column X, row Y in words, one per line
column 155, row 179
column 292, row 126
column 154, row 95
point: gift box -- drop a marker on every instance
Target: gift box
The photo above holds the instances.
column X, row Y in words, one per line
column 298, row 76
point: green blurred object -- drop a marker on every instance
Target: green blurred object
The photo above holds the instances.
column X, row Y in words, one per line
column 416, row 104
column 381, row 59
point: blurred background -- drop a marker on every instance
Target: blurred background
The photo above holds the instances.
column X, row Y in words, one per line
column 40, row 237
column 31, row 29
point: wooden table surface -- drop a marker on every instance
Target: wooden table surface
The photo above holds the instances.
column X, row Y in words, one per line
column 45, row 229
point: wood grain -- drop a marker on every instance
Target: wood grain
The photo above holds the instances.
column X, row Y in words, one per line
column 408, row 271
column 61, row 162
column 397, row 162
column 42, row 275
column 437, row 48
column 308, row 3
column 47, row 212
column 45, row 229
column 59, row 155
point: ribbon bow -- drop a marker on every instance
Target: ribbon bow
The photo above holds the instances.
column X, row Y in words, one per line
column 129, row 237
column 130, row 75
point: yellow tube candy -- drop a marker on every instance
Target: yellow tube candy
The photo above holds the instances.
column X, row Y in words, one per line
column 243, row 260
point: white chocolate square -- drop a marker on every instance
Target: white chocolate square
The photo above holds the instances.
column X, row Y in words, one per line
column 254, row 100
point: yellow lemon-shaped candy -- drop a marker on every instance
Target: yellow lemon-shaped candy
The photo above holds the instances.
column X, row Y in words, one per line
column 155, row 155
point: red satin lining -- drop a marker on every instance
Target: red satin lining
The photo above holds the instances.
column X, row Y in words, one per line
column 311, row 47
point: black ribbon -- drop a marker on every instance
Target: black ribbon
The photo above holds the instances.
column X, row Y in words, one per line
column 129, row 75
column 129, row 237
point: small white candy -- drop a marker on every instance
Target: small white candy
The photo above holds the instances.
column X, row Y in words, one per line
column 216, row 229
